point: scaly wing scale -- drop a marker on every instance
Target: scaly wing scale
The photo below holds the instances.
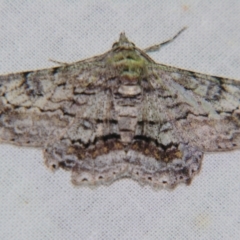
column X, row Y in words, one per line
column 205, row 109
column 35, row 107
column 121, row 115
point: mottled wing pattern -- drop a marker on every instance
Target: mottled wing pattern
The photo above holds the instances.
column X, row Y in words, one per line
column 121, row 115
column 204, row 110
column 37, row 106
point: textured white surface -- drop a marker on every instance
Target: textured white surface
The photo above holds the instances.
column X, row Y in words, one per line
column 36, row 204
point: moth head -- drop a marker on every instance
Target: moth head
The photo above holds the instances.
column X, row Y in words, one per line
column 123, row 43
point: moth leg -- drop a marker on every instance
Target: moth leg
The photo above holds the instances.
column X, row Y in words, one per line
column 57, row 62
column 158, row 46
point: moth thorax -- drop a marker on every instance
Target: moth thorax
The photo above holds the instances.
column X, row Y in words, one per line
column 130, row 72
column 129, row 66
column 127, row 79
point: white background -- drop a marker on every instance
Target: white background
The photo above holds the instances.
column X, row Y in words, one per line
column 36, row 204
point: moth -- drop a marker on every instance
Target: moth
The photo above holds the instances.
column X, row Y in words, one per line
column 121, row 114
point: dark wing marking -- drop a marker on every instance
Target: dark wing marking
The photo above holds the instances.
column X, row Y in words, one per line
column 202, row 110
column 36, row 107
